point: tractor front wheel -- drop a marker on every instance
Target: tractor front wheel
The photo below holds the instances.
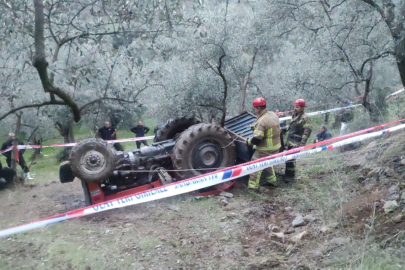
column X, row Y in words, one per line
column 92, row 161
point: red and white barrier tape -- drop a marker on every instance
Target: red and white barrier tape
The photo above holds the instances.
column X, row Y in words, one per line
column 323, row 112
column 73, row 144
column 151, row 137
column 395, row 93
column 205, row 180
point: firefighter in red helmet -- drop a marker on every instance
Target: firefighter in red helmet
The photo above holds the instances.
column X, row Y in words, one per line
column 298, row 133
column 265, row 142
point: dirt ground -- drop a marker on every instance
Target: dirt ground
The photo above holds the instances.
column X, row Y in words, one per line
column 347, row 227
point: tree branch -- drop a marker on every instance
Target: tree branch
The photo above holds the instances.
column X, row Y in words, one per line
column 380, row 55
column 377, row 7
column 56, row 102
column 104, row 98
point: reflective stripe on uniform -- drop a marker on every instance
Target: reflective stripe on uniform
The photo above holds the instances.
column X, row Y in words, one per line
column 268, row 148
column 258, row 132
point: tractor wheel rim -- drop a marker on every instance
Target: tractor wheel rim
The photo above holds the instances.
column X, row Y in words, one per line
column 93, row 162
column 207, row 155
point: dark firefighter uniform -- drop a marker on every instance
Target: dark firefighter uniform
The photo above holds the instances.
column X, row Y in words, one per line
column 298, row 133
column 266, row 142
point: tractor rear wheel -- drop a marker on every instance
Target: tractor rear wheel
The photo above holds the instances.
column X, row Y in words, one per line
column 92, row 161
column 203, row 148
column 174, row 126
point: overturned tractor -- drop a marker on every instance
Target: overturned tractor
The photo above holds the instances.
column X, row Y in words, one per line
column 183, row 148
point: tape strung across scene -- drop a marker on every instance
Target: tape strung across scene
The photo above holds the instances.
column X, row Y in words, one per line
column 324, row 111
column 208, row 179
column 395, row 93
column 73, row 144
column 151, row 137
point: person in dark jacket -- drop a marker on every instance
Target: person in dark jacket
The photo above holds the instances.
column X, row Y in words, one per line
column 23, row 164
column 298, row 133
column 108, row 133
column 140, row 130
column 346, row 116
column 323, row 135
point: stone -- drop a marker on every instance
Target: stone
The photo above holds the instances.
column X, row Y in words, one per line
column 403, row 197
column 290, row 231
column 226, row 194
column 273, row 228
column 328, row 228
column 340, row 240
column 232, row 215
column 174, row 208
column 324, row 229
column 390, row 206
column 251, row 210
column 236, row 221
column 354, row 166
column 398, row 218
column 393, row 189
column 151, row 205
column 76, row 204
column 278, row 236
column 403, row 162
column 224, row 202
column 288, row 209
column 296, row 238
column 309, row 218
column 298, row 221
column 361, row 178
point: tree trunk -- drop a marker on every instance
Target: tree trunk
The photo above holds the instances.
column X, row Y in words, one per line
column 66, row 131
column 367, row 89
column 242, row 93
column 15, row 145
column 69, row 136
column 400, row 57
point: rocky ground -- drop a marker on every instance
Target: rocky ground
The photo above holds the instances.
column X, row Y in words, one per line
column 344, row 211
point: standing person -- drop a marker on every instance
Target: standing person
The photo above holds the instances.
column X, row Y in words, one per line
column 23, row 164
column 140, row 130
column 323, row 135
column 108, row 133
column 346, row 116
column 298, row 133
column 265, row 141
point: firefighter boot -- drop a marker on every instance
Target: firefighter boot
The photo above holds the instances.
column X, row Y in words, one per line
column 254, row 180
column 269, row 179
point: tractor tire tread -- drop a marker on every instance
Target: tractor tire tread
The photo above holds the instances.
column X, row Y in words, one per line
column 191, row 137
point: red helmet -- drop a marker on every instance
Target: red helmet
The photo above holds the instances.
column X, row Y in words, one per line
column 259, row 102
column 300, row 102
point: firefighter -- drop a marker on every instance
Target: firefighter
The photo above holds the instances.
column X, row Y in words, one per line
column 265, row 142
column 298, row 133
